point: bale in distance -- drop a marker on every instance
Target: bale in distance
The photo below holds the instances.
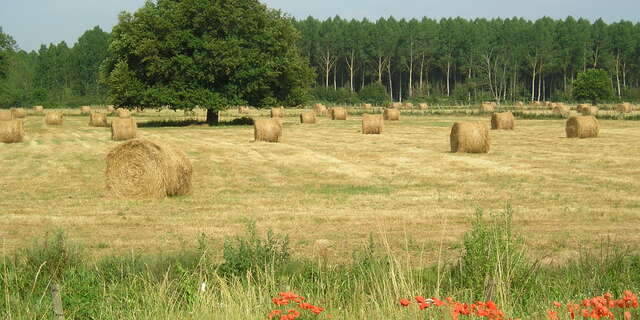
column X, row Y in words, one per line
column 243, row 110
column 590, row 111
column 123, row 113
column 38, row 109
column 408, row 105
column 85, row 110
column 123, row 129
column 372, row 123
column 54, row 118
column 267, row 130
column 487, row 107
column 11, row 131
column 98, row 120
column 19, row 113
column 423, row 106
column 561, row 110
column 111, row 109
column 144, row 169
column 520, row 104
column 396, row 105
column 338, row 113
column 502, row 121
column 277, row 112
column 624, row 108
column 582, row 127
column 391, row 114
column 320, row 109
column 582, row 106
column 537, row 103
column 6, row 115
column 308, row 117
column 470, row 137
column 367, row 106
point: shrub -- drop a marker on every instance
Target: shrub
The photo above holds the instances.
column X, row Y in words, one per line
column 593, row 85
column 374, row 93
column 337, row 96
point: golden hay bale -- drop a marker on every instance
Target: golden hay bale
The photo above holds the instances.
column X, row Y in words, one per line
column 19, row 113
column 582, row 106
column 547, row 103
column 320, row 109
column 308, row 117
column 277, row 112
column 267, row 130
column 553, row 105
column 372, row 123
column 38, row 109
column 396, row 105
column 6, row 115
column 85, row 110
column 487, row 107
column 519, row 104
column 391, row 114
column 408, row 105
column 537, row 103
column 423, row 106
column 589, row 111
column 561, row 110
column 143, row 169
column 123, row 129
column 582, row 127
column 367, row 106
column 11, row 131
column 54, row 118
column 338, row 113
column 243, row 110
column 123, row 113
column 502, row 121
column 624, row 108
column 470, row 137
column 111, row 109
column 98, row 120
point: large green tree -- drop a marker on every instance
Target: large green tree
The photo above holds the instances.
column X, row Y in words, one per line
column 593, row 85
column 7, row 46
column 209, row 53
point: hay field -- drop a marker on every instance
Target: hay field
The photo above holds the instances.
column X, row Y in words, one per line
column 329, row 181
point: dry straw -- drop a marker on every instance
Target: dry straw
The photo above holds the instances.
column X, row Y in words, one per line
column 470, row 137
column 561, row 110
column 537, row 103
column 267, row 130
column 589, row 111
column 123, row 129
column 396, row 105
column 98, row 120
column 624, row 108
column 277, row 112
column 19, row 113
column 243, row 110
column 6, row 115
column 38, row 109
column 143, row 169
column 123, row 113
column 502, row 121
column 423, row 106
column 582, row 106
column 372, row 123
column 488, row 107
column 367, row 106
column 338, row 113
column 111, row 109
column 408, row 105
column 11, row 131
column 582, row 127
column 519, row 104
column 320, row 109
column 54, row 118
column 391, row 114
column 85, row 110
column 308, row 117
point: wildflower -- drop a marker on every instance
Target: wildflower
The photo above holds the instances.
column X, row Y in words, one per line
column 437, row 302
column 404, row 302
column 627, row 315
column 557, row 304
column 274, row 313
column 552, row 315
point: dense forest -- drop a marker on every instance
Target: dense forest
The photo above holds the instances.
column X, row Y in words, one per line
column 451, row 60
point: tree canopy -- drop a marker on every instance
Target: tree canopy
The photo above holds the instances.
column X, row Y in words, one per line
column 212, row 54
column 593, row 85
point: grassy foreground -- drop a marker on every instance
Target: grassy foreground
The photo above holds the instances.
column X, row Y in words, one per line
column 492, row 264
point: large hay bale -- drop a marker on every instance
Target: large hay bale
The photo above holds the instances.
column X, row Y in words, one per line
column 111, row 109
column 338, row 113
column 423, row 106
column 537, row 104
column 98, row 120
column 267, row 130
column 561, row 110
column 589, row 111
column 367, row 106
column 38, row 109
column 320, row 109
column 6, row 115
column 54, row 118
column 408, row 105
column 123, row 113
column 372, row 123
column 277, row 112
column 391, row 114
column 396, row 105
column 19, row 113
column 519, row 104
column 470, row 137
column 11, row 131
column 624, row 108
column 487, row 107
column 548, row 103
column 308, row 117
column 123, row 129
column 502, row 121
column 243, row 110
column 582, row 127
column 85, row 110
column 143, row 169
column 582, row 106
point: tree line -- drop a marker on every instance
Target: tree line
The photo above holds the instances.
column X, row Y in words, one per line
column 451, row 60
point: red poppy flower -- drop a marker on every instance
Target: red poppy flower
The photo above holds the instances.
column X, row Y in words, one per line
column 404, row 302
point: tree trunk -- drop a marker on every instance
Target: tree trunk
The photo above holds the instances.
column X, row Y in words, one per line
column 410, row 73
column 539, row 83
column 390, row 80
column 421, row 71
column 618, row 74
column 533, row 83
column 212, row 117
column 448, row 78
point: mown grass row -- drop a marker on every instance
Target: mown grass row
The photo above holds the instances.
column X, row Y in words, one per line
column 190, row 284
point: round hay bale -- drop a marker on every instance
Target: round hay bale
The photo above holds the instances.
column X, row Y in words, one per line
column 19, row 113
column 487, row 107
column 308, row 117
column 582, row 127
column 11, row 131
column 143, row 169
column 85, row 110
column 537, row 104
column 338, row 113
column 547, row 103
column 502, row 121
column 624, row 108
column 320, row 109
column 367, row 106
column 277, row 112
column 470, row 137
column 372, row 123
column 561, row 110
column 589, row 111
column 391, row 114
column 582, row 106
column 111, row 109
column 553, row 105
column 123, row 113
column 123, row 129
column 267, row 130
column 520, row 104
column 38, row 109
column 243, row 110
column 98, row 120
column 54, row 118
column 423, row 106
column 396, row 105
column 6, row 115
column 408, row 105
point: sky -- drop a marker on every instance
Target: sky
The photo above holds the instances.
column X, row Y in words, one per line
column 35, row 22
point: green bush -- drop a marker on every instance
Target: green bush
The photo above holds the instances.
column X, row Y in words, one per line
column 593, row 85
column 337, row 96
column 374, row 93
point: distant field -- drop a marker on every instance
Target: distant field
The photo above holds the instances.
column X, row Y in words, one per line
column 328, row 181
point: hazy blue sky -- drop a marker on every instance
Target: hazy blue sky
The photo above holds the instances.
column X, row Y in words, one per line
column 34, row 22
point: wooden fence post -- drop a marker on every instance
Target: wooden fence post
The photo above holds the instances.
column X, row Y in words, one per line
column 58, row 312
